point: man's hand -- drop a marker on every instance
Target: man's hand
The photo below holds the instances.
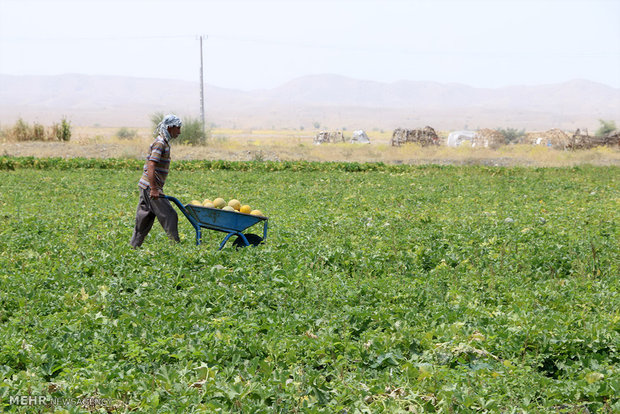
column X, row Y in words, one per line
column 155, row 193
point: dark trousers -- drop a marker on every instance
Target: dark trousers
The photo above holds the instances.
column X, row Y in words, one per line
column 148, row 209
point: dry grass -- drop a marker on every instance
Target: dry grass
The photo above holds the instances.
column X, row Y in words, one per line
column 285, row 144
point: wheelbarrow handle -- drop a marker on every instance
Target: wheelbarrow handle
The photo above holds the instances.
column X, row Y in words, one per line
column 173, row 199
column 183, row 210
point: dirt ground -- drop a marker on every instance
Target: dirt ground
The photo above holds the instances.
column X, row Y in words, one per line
column 245, row 145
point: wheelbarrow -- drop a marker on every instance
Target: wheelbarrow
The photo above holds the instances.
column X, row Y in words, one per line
column 230, row 222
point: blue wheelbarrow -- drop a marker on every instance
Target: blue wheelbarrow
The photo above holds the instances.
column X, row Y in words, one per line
column 230, row 222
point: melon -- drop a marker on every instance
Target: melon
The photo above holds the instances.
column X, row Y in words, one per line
column 228, row 208
column 235, row 204
column 196, row 203
column 207, row 201
column 210, row 205
column 245, row 209
column 257, row 213
column 219, row 202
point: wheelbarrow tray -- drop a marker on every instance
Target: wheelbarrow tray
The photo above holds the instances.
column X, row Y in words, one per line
column 230, row 222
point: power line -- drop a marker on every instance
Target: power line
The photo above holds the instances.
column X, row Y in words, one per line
column 94, row 38
column 383, row 49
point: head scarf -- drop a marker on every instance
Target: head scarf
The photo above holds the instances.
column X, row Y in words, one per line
column 169, row 120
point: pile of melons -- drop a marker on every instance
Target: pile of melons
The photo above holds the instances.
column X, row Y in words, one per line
column 232, row 205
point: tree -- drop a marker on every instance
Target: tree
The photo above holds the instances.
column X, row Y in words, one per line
column 511, row 135
column 156, row 118
column 605, row 128
column 192, row 132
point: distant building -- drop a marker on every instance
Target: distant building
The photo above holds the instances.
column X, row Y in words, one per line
column 360, row 137
column 458, row 138
column 325, row 137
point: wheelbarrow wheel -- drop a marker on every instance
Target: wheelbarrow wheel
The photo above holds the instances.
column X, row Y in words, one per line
column 253, row 239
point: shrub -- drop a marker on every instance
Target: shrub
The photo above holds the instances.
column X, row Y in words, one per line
column 21, row 131
column 62, row 131
column 38, row 132
column 156, row 118
column 512, row 135
column 126, row 133
column 605, row 128
column 192, row 132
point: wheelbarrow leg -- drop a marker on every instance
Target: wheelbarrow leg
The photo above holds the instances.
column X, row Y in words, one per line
column 198, row 235
column 232, row 234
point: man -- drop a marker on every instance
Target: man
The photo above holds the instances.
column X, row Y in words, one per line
column 151, row 183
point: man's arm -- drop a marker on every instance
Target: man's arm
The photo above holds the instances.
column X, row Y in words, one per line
column 150, row 173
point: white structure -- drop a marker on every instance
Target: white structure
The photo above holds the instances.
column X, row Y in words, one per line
column 360, row 137
column 457, row 138
column 328, row 136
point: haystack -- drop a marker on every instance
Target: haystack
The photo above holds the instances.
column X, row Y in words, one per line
column 488, row 138
column 612, row 139
column 324, row 137
column 552, row 138
column 424, row 137
column 581, row 140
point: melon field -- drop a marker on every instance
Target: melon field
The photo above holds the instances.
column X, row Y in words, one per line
column 379, row 289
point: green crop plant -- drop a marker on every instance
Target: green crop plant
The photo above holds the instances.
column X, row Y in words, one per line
column 379, row 289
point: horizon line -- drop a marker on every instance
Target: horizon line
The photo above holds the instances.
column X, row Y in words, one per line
column 313, row 75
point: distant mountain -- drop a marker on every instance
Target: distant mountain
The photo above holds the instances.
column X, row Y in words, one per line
column 333, row 101
column 333, row 90
column 69, row 92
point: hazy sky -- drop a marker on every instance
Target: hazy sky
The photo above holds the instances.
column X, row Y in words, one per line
column 262, row 44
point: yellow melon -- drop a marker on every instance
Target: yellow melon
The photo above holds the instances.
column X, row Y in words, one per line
column 219, row 202
column 196, row 203
column 207, row 201
column 257, row 213
column 228, row 208
column 210, row 205
column 245, row 209
column 235, row 204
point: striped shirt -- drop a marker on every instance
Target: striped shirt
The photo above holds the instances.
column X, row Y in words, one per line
column 160, row 153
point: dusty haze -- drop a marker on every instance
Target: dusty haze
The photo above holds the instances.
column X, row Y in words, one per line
column 335, row 102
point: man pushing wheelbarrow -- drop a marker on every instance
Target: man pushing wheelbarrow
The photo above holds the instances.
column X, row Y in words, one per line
column 152, row 202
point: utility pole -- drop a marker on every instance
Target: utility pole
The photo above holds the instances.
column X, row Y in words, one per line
column 202, row 93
